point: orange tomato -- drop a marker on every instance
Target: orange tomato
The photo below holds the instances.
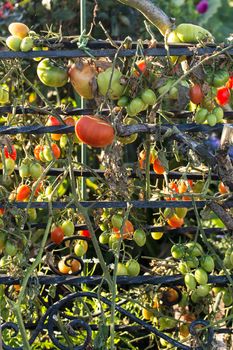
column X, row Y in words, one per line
column 2, row 211
column 37, row 150
column 22, row 192
column 127, row 229
column 158, row 167
column 222, row 188
column 53, row 121
column 182, row 187
column 75, row 265
column 175, row 222
column 141, row 68
column 56, row 150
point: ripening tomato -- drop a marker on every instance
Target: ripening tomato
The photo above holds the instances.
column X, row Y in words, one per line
column 38, row 189
column 75, row 265
column 2, row 211
column 182, row 187
column 18, row 29
column 127, row 229
column 56, row 150
column 82, row 75
column 23, row 192
column 94, row 131
column 175, row 222
column 158, row 167
column 53, row 121
column 222, row 188
column 195, row 93
column 10, row 153
column 57, row 234
column 223, row 96
column 63, row 267
column 229, row 84
column 141, row 68
column 37, row 150
column 85, row 233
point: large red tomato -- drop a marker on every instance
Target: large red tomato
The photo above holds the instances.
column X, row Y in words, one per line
column 94, row 131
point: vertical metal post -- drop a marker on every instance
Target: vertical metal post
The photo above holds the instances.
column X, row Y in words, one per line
column 83, row 147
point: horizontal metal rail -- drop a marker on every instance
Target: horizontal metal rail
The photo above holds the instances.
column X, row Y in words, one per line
column 176, row 280
column 118, row 204
column 178, row 50
column 64, row 129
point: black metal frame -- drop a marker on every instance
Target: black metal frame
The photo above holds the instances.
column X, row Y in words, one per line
column 48, row 321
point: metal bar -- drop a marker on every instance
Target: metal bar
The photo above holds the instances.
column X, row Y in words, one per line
column 175, row 175
column 176, row 280
column 158, row 51
column 88, row 111
column 118, row 204
column 83, row 104
column 64, row 129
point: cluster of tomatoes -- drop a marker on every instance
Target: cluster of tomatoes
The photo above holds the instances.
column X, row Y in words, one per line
column 218, row 95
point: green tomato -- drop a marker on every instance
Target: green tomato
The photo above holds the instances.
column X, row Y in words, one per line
column 51, row 74
column 13, row 42
column 104, row 238
column 207, row 263
column 194, row 297
column 227, row 297
column 63, row 141
column 201, row 276
column 136, row 106
column 195, row 249
column 80, row 247
column 133, row 267
column 139, row 237
column 10, row 248
column 26, row 44
column 10, row 165
column 220, row 78
column 123, row 101
column 203, row 290
column 117, row 221
column 113, row 241
column 112, row 77
column 219, row 113
column 211, row 119
column 201, row 115
column 183, row 267
column 48, row 153
column 121, row 270
column 173, row 93
column 148, row 97
column 68, row 227
column 192, row 262
column 178, row 251
column 190, row 281
column 35, row 170
column 24, row 171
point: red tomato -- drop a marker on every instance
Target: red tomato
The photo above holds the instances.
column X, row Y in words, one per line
column 12, row 154
column 52, row 121
column 57, row 234
column 39, row 189
column 195, row 93
column 223, row 96
column 56, row 150
column 175, row 222
column 37, row 150
column 22, row 192
column 85, row 233
column 229, row 84
column 2, row 211
column 142, row 68
column 174, row 187
column 94, row 131
column 158, row 167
